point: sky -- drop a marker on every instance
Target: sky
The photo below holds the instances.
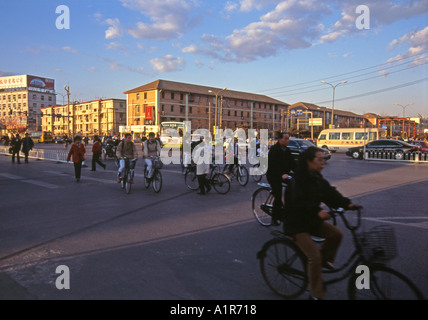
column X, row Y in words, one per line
column 281, row 49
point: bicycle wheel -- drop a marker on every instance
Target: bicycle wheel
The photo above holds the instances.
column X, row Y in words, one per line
column 257, row 177
column 221, row 183
column 157, row 181
column 242, row 175
column 262, row 204
column 385, row 284
column 128, row 184
column 123, row 182
column 283, row 266
column 191, row 180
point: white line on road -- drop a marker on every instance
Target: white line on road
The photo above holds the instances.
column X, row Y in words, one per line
column 30, row 181
column 419, row 224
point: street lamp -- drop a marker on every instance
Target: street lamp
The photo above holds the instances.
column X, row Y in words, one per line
column 67, row 89
column 216, row 97
column 404, row 107
column 334, row 90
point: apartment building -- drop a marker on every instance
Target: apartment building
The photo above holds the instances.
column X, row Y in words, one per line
column 21, row 99
column 101, row 117
column 163, row 101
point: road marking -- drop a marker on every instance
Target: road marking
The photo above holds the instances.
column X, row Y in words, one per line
column 30, row 181
column 419, row 224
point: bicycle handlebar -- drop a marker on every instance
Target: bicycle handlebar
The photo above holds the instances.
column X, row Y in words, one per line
column 341, row 213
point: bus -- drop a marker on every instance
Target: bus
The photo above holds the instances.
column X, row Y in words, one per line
column 171, row 133
column 38, row 136
column 342, row 139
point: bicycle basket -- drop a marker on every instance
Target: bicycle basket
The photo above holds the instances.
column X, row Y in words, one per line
column 379, row 244
column 157, row 163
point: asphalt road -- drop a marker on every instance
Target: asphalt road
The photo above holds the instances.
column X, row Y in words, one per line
column 175, row 245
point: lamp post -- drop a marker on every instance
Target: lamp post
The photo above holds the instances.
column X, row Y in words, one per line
column 67, row 89
column 404, row 107
column 334, row 90
column 216, row 105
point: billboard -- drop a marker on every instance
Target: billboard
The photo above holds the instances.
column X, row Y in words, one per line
column 25, row 81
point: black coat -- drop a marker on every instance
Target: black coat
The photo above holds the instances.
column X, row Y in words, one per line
column 280, row 162
column 27, row 145
column 303, row 199
column 16, row 144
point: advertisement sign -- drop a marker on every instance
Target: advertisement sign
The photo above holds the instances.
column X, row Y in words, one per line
column 149, row 113
column 39, row 82
column 13, row 82
column 25, row 81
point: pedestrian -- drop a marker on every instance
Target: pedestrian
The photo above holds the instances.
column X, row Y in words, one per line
column 77, row 153
column 202, row 159
column 16, row 146
column 27, row 146
column 96, row 153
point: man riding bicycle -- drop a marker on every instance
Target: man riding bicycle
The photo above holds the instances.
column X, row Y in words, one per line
column 151, row 148
column 280, row 163
column 126, row 149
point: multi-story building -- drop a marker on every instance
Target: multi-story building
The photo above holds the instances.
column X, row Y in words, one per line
column 162, row 101
column 302, row 114
column 101, row 117
column 21, row 99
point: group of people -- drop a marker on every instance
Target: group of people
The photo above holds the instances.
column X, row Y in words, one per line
column 300, row 207
column 125, row 150
column 17, row 145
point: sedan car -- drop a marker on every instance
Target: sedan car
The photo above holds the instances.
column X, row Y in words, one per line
column 397, row 146
column 297, row 146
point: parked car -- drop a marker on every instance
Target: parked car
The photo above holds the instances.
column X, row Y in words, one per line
column 397, row 146
column 297, row 146
column 423, row 146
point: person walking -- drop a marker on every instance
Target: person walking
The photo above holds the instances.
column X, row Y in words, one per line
column 27, row 146
column 201, row 158
column 16, row 143
column 96, row 154
column 77, row 154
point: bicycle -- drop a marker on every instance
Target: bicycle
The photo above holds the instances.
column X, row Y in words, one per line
column 127, row 174
column 156, row 177
column 240, row 172
column 283, row 265
column 218, row 180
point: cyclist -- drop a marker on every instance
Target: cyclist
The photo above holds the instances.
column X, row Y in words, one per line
column 304, row 217
column 151, row 148
column 280, row 163
column 229, row 167
column 126, row 149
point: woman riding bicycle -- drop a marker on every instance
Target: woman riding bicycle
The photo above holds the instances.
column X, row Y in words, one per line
column 305, row 218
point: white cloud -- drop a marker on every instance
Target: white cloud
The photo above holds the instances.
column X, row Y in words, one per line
column 115, row 29
column 382, row 12
column 417, row 42
column 167, row 63
column 169, row 19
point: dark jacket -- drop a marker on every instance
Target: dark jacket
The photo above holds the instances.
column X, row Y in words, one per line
column 16, row 144
column 27, row 144
column 280, row 162
column 303, row 200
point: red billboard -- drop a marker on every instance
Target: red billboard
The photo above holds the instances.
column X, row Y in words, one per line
column 149, row 113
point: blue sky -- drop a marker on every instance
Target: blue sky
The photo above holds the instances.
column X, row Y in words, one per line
column 282, row 49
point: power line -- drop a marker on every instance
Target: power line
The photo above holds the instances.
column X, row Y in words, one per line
column 377, row 91
column 347, row 73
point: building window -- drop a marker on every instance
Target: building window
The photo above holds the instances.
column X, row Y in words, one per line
column 172, row 95
column 138, row 96
column 145, row 95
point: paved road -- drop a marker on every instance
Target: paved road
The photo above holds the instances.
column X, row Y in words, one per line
column 176, row 244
